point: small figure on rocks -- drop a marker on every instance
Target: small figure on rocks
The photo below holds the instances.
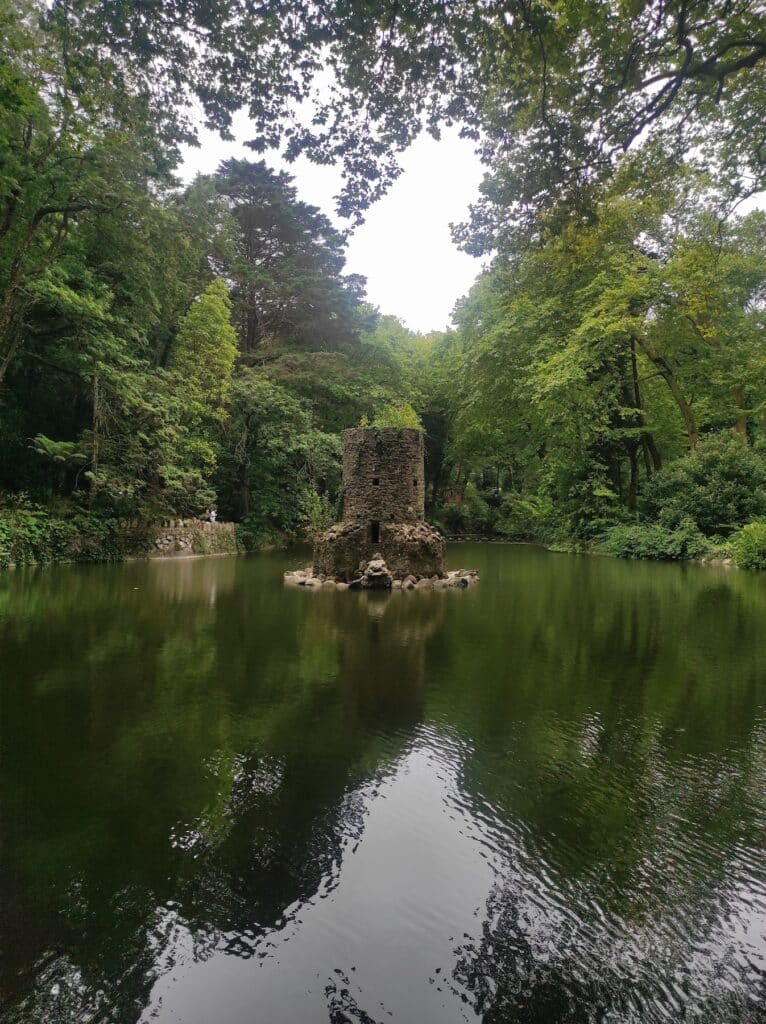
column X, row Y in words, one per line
column 376, row 575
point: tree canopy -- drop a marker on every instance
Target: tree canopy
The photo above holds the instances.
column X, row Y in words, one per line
column 163, row 348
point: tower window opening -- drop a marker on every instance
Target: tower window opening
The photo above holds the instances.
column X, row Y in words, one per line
column 375, row 532
column 376, row 481
column 414, row 483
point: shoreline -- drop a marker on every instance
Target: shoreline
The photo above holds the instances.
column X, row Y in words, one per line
column 169, row 556
column 711, row 561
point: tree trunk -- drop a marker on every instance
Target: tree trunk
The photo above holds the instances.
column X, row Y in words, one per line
column 666, row 372
column 633, row 483
column 8, row 348
column 96, row 426
column 10, row 332
column 652, row 456
column 653, row 452
column 687, row 413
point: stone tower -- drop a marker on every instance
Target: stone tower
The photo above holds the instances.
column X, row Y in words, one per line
column 383, row 508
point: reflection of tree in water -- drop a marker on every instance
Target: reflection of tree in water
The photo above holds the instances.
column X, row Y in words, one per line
column 663, row 920
column 268, row 720
column 210, row 751
column 555, row 972
column 617, row 740
column 282, row 847
column 605, row 688
column 342, row 1006
column 510, row 981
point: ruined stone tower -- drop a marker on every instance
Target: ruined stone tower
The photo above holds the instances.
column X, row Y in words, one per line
column 383, row 508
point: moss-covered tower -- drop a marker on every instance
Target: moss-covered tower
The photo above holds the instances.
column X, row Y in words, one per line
column 383, row 508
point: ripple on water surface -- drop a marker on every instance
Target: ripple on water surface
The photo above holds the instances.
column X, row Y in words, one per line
column 542, row 800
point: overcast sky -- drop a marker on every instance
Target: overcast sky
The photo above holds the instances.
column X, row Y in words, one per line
column 404, row 248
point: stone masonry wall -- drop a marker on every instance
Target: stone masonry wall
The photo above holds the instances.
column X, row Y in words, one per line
column 180, row 537
column 415, row 549
column 383, row 478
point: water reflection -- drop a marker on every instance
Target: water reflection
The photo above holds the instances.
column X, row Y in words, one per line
column 538, row 800
column 352, row 950
column 191, row 579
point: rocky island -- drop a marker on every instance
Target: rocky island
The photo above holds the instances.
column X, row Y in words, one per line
column 383, row 541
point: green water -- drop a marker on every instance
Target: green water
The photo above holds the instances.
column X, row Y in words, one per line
column 227, row 802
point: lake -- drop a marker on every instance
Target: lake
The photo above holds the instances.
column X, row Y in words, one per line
column 225, row 801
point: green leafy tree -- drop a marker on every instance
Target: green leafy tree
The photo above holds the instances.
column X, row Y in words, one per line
column 275, row 467
column 285, row 259
column 592, row 358
column 205, row 350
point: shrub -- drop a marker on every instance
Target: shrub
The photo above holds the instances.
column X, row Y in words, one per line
column 748, row 546
column 652, row 540
column 397, row 414
column 719, row 550
column 317, row 513
column 720, row 487
column 472, row 515
column 253, row 533
column 22, row 535
column 450, row 517
column 31, row 535
column 478, row 516
column 527, row 518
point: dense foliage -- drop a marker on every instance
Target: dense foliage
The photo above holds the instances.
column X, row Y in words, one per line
column 749, row 546
column 613, row 372
column 162, row 350
column 30, row 533
column 166, row 350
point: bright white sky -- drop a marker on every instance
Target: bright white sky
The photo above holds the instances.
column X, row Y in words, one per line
column 404, row 248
